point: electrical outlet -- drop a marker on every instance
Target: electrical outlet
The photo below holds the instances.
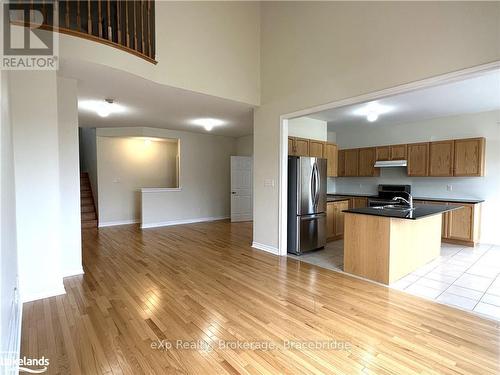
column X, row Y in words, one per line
column 449, row 187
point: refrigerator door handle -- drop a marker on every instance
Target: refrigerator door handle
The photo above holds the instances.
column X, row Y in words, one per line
column 313, row 186
column 315, row 183
column 318, row 185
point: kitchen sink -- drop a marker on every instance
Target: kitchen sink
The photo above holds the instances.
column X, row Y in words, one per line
column 394, row 207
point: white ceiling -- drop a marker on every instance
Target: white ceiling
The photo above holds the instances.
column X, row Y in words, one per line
column 479, row 94
column 150, row 104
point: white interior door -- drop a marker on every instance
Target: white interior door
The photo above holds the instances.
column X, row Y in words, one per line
column 241, row 188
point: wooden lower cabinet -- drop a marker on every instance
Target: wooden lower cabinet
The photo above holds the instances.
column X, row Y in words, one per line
column 335, row 219
column 460, row 226
column 358, row 202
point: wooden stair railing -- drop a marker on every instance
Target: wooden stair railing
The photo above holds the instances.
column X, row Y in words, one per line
column 127, row 25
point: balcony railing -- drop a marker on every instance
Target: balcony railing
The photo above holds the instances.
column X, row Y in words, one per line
column 127, row 25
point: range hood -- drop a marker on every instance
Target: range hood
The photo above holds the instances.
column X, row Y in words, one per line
column 391, row 163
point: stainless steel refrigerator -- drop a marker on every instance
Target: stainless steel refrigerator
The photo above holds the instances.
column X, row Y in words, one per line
column 306, row 204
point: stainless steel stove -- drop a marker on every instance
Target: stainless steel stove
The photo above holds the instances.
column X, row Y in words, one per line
column 386, row 193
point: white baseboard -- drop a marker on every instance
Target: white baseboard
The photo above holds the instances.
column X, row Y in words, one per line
column 180, row 222
column 269, row 249
column 119, row 222
column 75, row 272
column 242, row 218
column 46, row 294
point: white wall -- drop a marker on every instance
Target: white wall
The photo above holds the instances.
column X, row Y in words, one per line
column 124, row 166
column 306, row 62
column 204, row 177
column 88, row 157
column 244, row 145
column 10, row 307
column 69, row 177
column 464, row 126
column 309, row 128
column 207, row 47
column 36, row 157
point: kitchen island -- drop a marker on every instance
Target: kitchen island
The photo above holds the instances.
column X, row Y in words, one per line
column 383, row 244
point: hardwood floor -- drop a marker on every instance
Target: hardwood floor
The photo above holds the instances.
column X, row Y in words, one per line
column 204, row 282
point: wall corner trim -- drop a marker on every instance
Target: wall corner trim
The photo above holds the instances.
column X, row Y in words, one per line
column 14, row 333
column 184, row 221
column 267, row 248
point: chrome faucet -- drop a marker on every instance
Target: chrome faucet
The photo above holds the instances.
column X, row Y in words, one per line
column 408, row 201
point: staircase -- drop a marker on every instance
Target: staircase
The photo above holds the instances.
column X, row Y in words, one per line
column 89, row 216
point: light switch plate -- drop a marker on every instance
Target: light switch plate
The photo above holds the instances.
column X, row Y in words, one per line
column 269, row 182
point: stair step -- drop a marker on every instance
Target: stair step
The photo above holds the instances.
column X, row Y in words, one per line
column 85, row 194
column 89, row 224
column 87, row 208
column 86, row 201
column 88, row 216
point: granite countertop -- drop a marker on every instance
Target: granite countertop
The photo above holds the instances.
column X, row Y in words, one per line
column 420, row 211
column 341, row 197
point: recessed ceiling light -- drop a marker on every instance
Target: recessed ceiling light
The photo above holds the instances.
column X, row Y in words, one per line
column 207, row 123
column 102, row 107
column 372, row 111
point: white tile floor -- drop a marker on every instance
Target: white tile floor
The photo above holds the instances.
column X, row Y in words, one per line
column 464, row 277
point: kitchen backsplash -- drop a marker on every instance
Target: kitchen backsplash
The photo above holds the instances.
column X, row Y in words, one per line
column 471, row 187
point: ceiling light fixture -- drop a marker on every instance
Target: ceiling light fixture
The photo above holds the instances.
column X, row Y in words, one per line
column 207, row 123
column 102, row 107
column 372, row 111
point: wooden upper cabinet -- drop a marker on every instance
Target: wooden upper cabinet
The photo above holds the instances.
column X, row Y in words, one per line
column 392, row 152
column 291, row 146
column 441, row 156
column 383, row 153
column 469, row 157
column 331, row 154
column 418, row 159
column 399, row 152
column 351, row 162
column 316, row 149
column 367, row 158
column 301, row 147
column 341, row 163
